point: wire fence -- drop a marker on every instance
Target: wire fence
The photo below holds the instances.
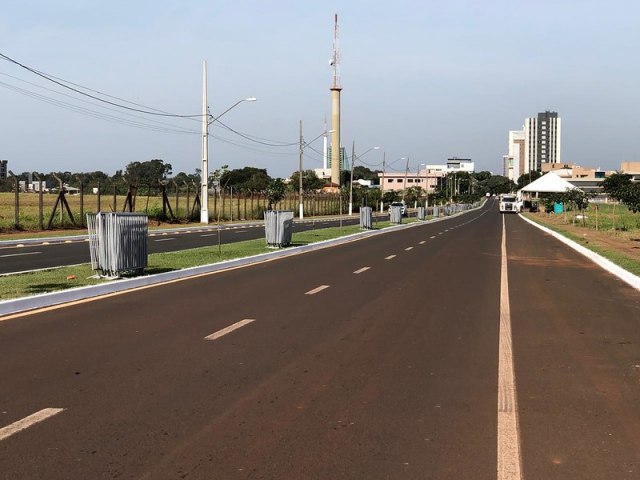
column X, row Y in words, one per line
column 68, row 209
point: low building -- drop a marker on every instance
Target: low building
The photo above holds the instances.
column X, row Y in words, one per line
column 426, row 178
column 587, row 179
column 631, row 168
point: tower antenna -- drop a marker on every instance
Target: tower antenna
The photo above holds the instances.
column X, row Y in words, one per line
column 335, row 61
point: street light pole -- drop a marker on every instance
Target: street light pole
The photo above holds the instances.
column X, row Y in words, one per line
column 204, row 174
column 406, row 172
column 384, row 165
column 353, row 161
column 301, row 153
column 301, row 206
column 207, row 120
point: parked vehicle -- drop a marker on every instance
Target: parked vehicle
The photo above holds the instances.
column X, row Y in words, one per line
column 404, row 210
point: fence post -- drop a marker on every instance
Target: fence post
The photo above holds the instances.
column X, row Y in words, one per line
column 16, row 202
column 40, row 202
column 177, row 215
column 81, row 201
column 98, row 199
column 187, row 216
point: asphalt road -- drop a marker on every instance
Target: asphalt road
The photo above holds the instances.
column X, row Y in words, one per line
column 22, row 256
column 378, row 359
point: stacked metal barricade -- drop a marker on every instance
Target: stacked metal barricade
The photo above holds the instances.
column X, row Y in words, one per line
column 366, row 218
column 395, row 214
column 278, row 227
column 421, row 214
column 118, row 242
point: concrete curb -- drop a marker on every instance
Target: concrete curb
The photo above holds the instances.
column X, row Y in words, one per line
column 20, row 305
column 608, row 265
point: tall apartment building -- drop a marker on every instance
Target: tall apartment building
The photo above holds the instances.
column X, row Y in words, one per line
column 542, row 140
column 4, row 169
column 537, row 144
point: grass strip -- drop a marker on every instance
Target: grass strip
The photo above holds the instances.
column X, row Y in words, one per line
column 624, row 261
column 63, row 278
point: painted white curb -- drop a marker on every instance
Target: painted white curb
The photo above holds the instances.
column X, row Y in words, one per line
column 608, row 265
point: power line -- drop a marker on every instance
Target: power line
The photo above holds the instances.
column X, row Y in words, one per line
column 40, row 97
column 51, row 79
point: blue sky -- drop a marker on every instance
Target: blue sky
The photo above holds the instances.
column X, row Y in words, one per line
column 423, row 79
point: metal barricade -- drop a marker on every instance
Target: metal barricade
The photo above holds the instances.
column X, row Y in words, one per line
column 421, row 214
column 118, row 242
column 395, row 214
column 366, row 218
column 278, row 228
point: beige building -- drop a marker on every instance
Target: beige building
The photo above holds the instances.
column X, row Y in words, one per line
column 426, row 178
column 631, row 168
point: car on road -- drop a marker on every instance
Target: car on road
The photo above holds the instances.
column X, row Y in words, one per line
column 404, row 210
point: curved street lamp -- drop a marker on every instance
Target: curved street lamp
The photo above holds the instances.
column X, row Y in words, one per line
column 208, row 119
column 302, row 144
column 353, row 161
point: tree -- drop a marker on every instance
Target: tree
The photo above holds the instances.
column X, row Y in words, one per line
column 631, row 197
column 310, row 181
column 526, row 178
column 615, row 185
column 498, row 184
column 275, row 192
column 247, row 179
column 147, row 173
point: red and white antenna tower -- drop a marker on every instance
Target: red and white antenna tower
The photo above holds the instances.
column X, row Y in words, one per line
column 335, row 61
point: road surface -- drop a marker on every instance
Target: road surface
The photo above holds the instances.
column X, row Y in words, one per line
column 409, row 355
column 22, row 256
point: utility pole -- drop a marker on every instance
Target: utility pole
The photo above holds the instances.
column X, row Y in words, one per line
column 353, row 161
column 426, row 190
column 204, row 174
column 384, row 165
column 300, row 174
column 406, row 172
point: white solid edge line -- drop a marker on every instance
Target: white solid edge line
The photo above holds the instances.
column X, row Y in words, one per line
column 317, row 289
column 608, row 265
column 509, row 458
column 229, row 329
column 363, row 269
column 389, row 257
column 26, row 422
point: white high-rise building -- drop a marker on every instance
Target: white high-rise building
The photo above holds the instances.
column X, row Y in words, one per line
column 514, row 160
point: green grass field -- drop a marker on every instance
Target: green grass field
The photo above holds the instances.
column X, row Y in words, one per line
column 606, row 217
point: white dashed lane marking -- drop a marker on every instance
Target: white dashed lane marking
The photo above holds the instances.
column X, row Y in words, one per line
column 317, row 289
column 363, row 269
column 389, row 257
column 229, row 329
column 408, row 248
column 26, row 422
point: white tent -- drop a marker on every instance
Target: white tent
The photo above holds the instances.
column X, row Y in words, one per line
column 549, row 183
